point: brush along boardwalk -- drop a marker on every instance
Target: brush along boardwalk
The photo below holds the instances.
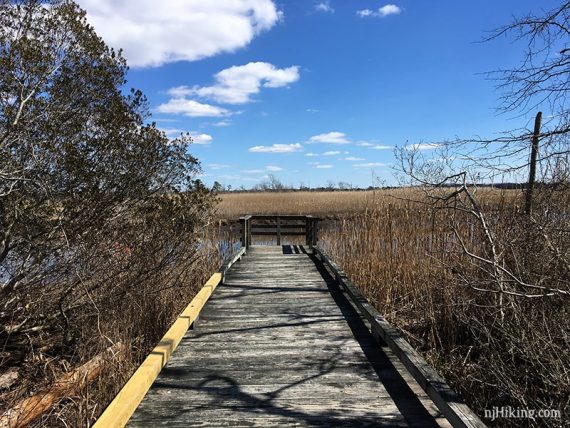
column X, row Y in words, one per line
column 282, row 343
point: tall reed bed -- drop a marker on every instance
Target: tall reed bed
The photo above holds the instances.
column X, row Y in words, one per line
column 495, row 349
column 323, row 204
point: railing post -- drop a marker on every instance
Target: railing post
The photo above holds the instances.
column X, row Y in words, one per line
column 248, row 232
column 243, row 232
column 278, row 231
column 245, row 223
column 314, row 231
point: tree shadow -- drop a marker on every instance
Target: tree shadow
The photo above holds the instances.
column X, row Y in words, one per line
column 251, row 393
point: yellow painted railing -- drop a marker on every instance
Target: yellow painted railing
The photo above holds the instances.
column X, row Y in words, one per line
column 117, row 414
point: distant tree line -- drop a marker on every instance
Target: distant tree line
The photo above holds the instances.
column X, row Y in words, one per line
column 273, row 184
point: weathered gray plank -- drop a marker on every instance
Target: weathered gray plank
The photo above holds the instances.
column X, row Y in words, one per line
column 278, row 345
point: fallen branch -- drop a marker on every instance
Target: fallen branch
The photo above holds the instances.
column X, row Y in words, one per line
column 31, row 408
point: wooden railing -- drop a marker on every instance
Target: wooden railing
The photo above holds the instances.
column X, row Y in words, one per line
column 279, row 226
column 119, row 411
column 447, row 401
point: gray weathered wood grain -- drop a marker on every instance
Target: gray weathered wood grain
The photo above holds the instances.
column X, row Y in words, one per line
column 278, row 344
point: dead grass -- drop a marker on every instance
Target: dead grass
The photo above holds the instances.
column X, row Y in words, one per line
column 325, row 204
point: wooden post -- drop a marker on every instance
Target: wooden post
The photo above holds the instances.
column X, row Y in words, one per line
column 278, row 231
column 314, row 232
column 243, row 224
column 247, row 232
column 311, row 230
column 243, row 231
column 533, row 156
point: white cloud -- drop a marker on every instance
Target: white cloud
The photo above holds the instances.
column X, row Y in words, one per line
column 311, row 154
column 236, row 85
column 353, row 159
column 201, row 138
column 324, row 6
column 422, row 146
column 364, row 144
column 253, row 171
column 382, row 147
column 273, row 168
column 386, row 10
column 276, row 148
column 312, row 110
column 333, row 137
column 164, row 119
column 197, row 138
column 153, row 34
column 319, row 165
column 389, row 9
column 332, row 153
column 192, row 108
column 364, row 12
column 369, row 165
column 217, row 166
column 172, row 132
column 222, row 123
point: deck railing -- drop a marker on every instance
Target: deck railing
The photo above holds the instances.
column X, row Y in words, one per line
column 279, row 226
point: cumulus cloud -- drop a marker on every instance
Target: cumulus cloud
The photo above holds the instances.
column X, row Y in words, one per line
column 353, row 159
column 382, row 147
column 222, row 123
column 217, row 166
column 236, row 85
column 192, row 108
column 273, row 168
column 364, row 144
column 333, row 137
column 277, row 148
column 364, row 12
column 311, row 154
column 197, row 138
column 386, row 10
column 172, row 132
column 324, row 6
column 154, row 34
column 389, row 9
column 201, row 138
column 331, row 153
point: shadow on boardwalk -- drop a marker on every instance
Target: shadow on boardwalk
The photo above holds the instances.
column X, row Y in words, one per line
column 206, row 391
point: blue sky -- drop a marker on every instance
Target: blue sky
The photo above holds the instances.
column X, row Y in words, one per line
column 314, row 91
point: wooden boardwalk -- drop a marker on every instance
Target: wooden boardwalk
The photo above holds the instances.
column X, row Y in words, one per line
column 279, row 344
